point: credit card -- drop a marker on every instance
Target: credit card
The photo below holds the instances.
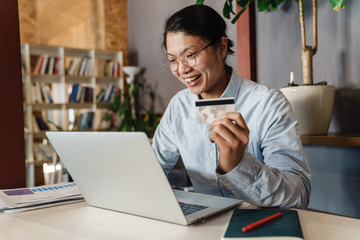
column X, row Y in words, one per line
column 207, row 110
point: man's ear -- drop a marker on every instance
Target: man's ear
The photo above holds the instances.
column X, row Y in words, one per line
column 223, row 47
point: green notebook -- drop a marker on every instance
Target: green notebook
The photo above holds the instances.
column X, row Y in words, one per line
column 287, row 226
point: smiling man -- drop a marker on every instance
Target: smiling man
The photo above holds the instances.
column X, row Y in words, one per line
column 254, row 153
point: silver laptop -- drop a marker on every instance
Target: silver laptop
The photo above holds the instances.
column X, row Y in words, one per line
column 119, row 171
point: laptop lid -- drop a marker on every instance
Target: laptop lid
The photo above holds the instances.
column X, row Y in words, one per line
column 119, row 171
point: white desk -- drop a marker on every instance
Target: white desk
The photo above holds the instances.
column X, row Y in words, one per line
column 79, row 222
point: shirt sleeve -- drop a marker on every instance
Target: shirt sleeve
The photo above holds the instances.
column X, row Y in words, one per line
column 282, row 178
column 164, row 144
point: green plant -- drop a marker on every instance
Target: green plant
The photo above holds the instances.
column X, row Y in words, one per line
column 263, row 5
column 122, row 115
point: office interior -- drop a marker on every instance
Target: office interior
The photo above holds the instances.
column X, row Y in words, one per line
column 135, row 28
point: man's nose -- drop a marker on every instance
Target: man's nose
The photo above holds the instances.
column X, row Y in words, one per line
column 182, row 68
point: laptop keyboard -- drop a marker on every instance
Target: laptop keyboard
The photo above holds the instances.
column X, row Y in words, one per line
column 188, row 208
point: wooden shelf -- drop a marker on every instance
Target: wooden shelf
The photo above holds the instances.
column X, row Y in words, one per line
column 47, row 106
column 333, row 139
column 75, row 105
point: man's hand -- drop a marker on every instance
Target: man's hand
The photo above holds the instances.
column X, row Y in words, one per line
column 231, row 134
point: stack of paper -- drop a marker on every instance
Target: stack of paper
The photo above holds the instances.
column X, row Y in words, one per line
column 22, row 199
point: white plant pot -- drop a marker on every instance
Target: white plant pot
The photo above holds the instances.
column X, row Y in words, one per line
column 313, row 107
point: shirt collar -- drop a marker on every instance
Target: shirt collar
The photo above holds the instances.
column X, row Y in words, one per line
column 233, row 87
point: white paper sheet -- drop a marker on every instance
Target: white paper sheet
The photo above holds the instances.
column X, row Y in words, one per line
column 36, row 196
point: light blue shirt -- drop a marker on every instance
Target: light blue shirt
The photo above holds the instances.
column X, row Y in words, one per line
column 273, row 171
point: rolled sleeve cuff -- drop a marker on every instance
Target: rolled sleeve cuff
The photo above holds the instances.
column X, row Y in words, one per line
column 244, row 180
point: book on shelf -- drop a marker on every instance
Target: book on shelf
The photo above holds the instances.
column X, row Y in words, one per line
column 72, row 65
column 23, row 65
column 46, row 93
column 39, row 124
column 39, row 61
column 57, row 67
column 36, row 93
column 51, row 66
column 83, row 120
column 85, row 66
column 88, row 94
column 42, row 125
column 108, row 68
column 106, row 94
column 112, row 69
column 46, row 64
column 101, row 95
column 41, row 93
column 35, row 125
column 79, row 66
column 80, row 94
column 74, row 90
column 287, row 226
column 43, row 152
column 89, row 68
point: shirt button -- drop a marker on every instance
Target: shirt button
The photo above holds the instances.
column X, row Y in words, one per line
column 211, row 154
column 225, row 181
column 213, row 180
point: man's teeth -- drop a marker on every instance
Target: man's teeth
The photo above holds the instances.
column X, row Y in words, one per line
column 191, row 79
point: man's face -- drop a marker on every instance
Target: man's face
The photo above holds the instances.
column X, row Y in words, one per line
column 207, row 77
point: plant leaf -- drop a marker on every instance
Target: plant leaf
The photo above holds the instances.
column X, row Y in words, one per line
column 338, row 4
column 200, row 1
column 242, row 3
column 240, row 12
column 274, row 4
column 57, row 126
column 141, row 86
column 263, row 5
column 108, row 117
column 227, row 10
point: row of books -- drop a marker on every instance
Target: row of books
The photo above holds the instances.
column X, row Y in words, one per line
column 80, row 67
column 84, row 120
column 108, row 68
column 81, row 94
column 41, row 93
column 51, row 65
column 106, row 94
column 41, row 125
column 48, row 65
column 43, row 152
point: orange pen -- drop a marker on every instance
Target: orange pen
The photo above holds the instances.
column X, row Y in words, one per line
column 261, row 222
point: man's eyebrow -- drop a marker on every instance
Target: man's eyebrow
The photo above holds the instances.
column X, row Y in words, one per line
column 187, row 48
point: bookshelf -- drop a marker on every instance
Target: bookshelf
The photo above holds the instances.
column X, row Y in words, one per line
column 64, row 89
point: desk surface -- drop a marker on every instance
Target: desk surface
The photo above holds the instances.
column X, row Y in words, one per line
column 79, row 221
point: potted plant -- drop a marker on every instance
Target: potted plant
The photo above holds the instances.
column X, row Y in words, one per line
column 312, row 103
column 124, row 115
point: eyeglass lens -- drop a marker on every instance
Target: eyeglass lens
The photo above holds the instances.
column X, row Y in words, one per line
column 187, row 58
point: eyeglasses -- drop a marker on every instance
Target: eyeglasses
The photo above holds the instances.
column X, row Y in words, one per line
column 187, row 58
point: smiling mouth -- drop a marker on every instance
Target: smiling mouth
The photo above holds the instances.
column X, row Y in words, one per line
column 192, row 79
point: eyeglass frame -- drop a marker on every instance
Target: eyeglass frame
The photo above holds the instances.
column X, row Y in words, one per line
column 194, row 55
